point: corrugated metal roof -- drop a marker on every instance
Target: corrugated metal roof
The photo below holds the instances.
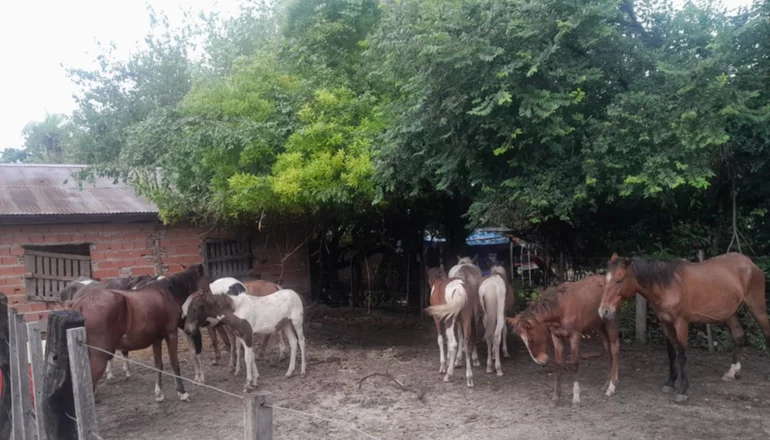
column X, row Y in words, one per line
column 37, row 189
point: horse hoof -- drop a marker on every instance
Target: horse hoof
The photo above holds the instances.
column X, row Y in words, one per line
column 184, row 397
column 470, row 383
column 489, row 371
column 476, row 363
column 668, row 389
column 447, row 378
column 160, row 398
column 303, row 375
column 128, row 375
column 575, row 402
column 728, row 378
column 506, row 355
column 681, row 398
column 554, row 402
column 499, row 373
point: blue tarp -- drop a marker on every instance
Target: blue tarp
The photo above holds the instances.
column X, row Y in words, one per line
column 477, row 238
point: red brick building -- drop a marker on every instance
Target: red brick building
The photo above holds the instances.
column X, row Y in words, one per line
column 52, row 231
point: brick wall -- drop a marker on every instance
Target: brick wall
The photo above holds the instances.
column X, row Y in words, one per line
column 119, row 250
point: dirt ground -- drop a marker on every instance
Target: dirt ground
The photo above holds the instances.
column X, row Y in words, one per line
column 345, row 345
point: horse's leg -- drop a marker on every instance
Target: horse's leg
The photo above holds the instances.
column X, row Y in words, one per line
column 461, row 346
column 606, row 343
column 222, row 330
column 473, row 335
column 574, row 365
column 281, row 347
column 293, row 345
column 196, row 359
column 558, row 367
column 108, row 370
column 612, row 333
column 157, row 350
column 441, row 354
column 214, row 344
column 172, row 342
column 233, row 348
column 499, row 331
column 99, row 361
column 126, row 368
column 756, row 305
column 736, row 330
column 451, row 348
column 681, row 336
column 300, row 331
column 504, row 337
column 671, row 344
column 489, row 354
column 470, row 345
column 248, row 354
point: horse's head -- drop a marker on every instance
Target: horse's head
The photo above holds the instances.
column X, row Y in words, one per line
column 435, row 274
column 534, row 333
column 466, row 260
column 620, row 284
column 200, row 309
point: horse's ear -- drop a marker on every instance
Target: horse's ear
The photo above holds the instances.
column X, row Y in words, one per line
column 614, row 256
column 626, row 262
column 200, row 270
column 475, row 258
column 441, row 268
column 183, row 266
column 459, row 258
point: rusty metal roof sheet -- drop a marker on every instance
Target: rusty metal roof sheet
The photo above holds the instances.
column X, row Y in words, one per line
column 37, row 189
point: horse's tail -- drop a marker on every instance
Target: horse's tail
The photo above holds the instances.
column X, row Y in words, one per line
column 489, row 307
column 451, row 308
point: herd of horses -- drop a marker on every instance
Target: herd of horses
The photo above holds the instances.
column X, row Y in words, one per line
column 134, row 313
column 679, row 292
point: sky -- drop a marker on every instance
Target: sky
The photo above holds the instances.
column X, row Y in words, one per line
column 38, row 36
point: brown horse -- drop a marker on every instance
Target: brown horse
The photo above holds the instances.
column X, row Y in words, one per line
column 452, row 301
column 568, row 311
column 467, row 270
column 681, row 292
column 134, row 320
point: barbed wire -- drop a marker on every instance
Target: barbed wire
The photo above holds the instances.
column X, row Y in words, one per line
column 162, row 372
column 98, row 437
column 342, row 424
column 333, row 422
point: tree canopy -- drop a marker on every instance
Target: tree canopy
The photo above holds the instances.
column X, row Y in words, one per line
column 600, row 125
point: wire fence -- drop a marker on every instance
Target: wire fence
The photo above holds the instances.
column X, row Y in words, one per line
column 149, row 367
column 93, row 434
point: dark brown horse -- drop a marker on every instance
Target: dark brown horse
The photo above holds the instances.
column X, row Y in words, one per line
column 681, row 292
column 452, row 302
column 566, row 312
column 129, row 320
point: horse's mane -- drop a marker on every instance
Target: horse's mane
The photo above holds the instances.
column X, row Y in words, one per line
column 128, row 283
column 179, row 285
column 548, row 302
column 650, row 272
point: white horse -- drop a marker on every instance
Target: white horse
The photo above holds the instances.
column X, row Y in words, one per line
column 493, row 293
column 467, row 270
column 280, row 311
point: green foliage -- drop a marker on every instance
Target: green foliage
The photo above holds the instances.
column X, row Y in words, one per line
column 46, row 141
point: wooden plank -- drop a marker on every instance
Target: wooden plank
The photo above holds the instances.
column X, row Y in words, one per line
column 35, row 337
column 258, row 416
column 58, row 400
column 229, row 258
column 60, row 272
column 49, row 278
column 55, row 255
column 85, row 268
column 5, row 369
column 82, row 389
column 22, row 383
column 16, row 404
column 641, row 319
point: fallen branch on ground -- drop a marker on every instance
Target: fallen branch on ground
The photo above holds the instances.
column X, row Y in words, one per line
column 420, row 394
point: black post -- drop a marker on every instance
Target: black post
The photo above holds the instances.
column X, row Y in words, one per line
column 5, row 370
column 58, row 398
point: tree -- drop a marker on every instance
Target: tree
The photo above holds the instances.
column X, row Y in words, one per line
column 46, row 141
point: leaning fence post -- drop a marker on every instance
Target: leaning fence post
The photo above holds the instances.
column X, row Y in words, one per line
column 24, row 379
column 82, row 386
column 258, row 416
column 5, row 370
column 641, row 319
column 58, row 400
column 23, row 425
column 37, row 362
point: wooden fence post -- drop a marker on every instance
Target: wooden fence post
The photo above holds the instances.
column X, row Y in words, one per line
column 257, row 416
column 34, row 335
column 23, row 422
column 701, row 257
column 58, row 400
column 5, row 370
column 641, row 319
column 82, row 386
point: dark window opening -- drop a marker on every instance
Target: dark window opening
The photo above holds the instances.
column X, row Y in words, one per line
column 228, row 258
column 48, row 269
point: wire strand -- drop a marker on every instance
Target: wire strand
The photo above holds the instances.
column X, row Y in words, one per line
column 333, row 422
column 162, row 372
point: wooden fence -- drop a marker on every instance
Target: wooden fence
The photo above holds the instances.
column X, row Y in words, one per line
column 60, row 381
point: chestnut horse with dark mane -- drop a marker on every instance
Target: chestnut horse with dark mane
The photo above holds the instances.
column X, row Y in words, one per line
column 566, row 312
column 681, row 292
column 129, row 320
